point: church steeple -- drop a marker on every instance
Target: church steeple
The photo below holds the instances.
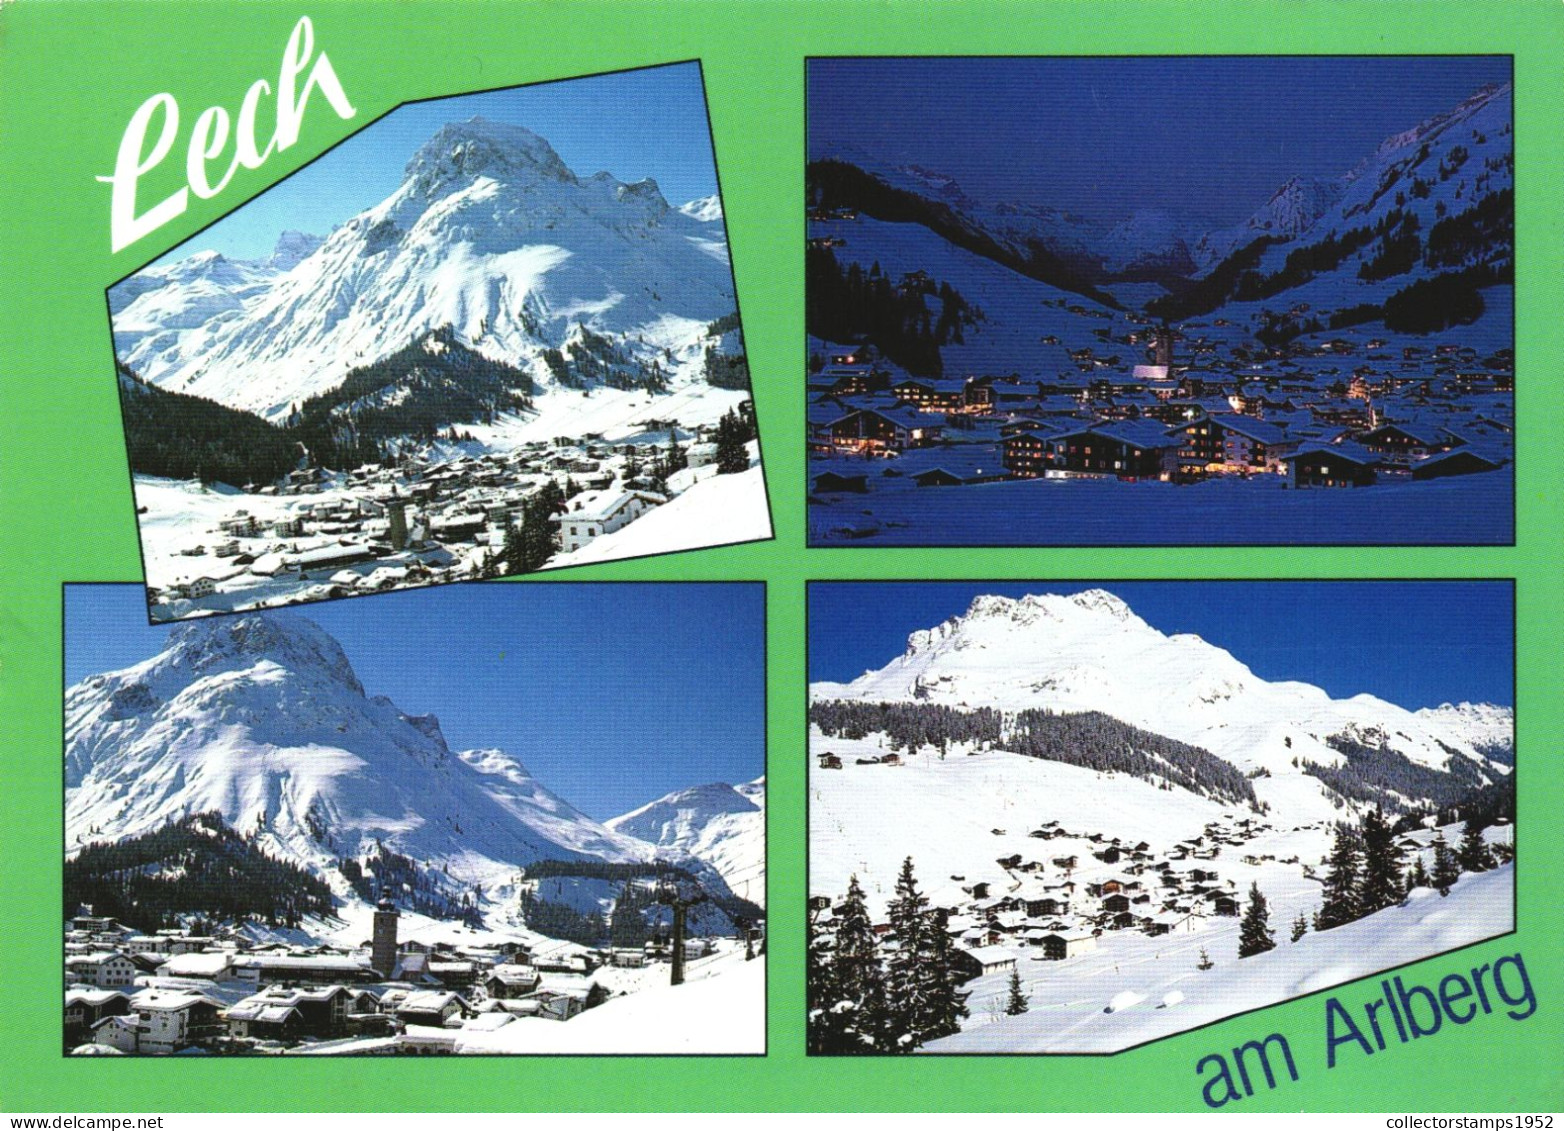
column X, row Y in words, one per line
column 383, row 951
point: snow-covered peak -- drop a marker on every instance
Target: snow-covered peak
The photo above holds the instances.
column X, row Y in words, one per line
column 721, row 824
column 696, row 805
column 1489, row 727
column 293, row 248
column 489, row 235
column 706, row 209
column 1432, row 127
column 294, row 643
column 1292, row 209
column 1090, row 652
column 461, row 152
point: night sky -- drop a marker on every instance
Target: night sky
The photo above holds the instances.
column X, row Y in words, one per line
column 1413, row 643
column 611, row 694
column 1209, row 138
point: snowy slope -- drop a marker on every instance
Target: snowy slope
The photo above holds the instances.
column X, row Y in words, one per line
column 735, row 504
column 720, row 1009
column 1069, row 1000
column 261, row 718
column 1091, row 652
column 1486, row 726
column 489, row 234
column 721, row 824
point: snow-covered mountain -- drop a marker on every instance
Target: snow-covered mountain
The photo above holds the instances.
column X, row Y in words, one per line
column 1091, row 652
column 261, row 718
column 1488, row 727
column 489, row 234
column 724, row 825
column 1291, row 211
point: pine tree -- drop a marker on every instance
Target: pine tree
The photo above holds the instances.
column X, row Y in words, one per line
column 1417, row 876
column 1446, row 869
column 857, row 977
column 1205, row 962
column 731, row 454
column 1341, row 881
column 827, row 1033
column 920, row 984
column 1300, row 927
column 1382, row 883
column 1017, row 1002
column 1254, row 933
column 1473, row 854
column 905, row 975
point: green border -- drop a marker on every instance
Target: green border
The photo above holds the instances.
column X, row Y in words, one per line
column 71, row 74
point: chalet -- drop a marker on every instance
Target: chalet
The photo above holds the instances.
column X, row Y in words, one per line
column 302, row 969
column 1462, row 461
column 1227, row 444
column 103, row 969
column 883, row 431
column 938, row 477
column 86, row 1006
column 1058, row 946
column 1409, row 440
column 214, row 966
column 1126, row 449
column 162, row 1021
column 594, row 513
column 505, row 982
column 1116, row 902
column 829, row 482
column 1224, row 904
column 329, row 557
column 1332, row 465
column 280, row 1013
column 830, row 762
column 846, row 381
column 556, row 1006
column 434, row 1008
column 983, row 960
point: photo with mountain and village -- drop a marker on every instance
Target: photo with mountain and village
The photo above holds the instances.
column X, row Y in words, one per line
column 1074, row 818
column 450, row 348
column 344, row 834
column 1172, row 301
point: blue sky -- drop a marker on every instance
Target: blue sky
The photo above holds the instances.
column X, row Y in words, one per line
column 1211, row 137
column 612, row 694
column 645, row 123
column 1414, row 643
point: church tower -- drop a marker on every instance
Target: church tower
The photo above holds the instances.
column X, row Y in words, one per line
column 383, row 949
column 1162, row 346
column 396, row 511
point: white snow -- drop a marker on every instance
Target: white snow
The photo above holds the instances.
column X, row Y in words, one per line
column 734, row 505
column 724, row 825
column 720, row 1009
column 1100, row 1002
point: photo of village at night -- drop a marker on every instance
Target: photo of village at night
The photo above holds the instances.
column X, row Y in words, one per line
column 1160, row 301
column 487, row 335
